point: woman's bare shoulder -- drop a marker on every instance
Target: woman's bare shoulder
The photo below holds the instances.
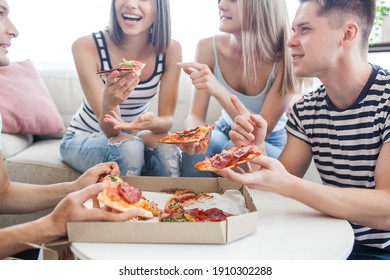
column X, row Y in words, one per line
column 204, row 51
column 83, row 43
column 174, row 46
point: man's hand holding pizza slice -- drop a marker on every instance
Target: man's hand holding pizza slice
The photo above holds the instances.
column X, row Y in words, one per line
column 230, row 158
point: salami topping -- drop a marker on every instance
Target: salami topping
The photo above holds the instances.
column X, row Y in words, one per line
column 241, row 151
column 129, row 193
column 216, row 215
column 230, row 158
column 221, row 160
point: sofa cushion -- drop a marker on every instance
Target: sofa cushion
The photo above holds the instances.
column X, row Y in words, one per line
column 27, row 106
column 40, row 163
column 15, row 143
column 65, row 89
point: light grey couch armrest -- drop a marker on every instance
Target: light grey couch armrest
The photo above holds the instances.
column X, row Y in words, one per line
column 15, row 143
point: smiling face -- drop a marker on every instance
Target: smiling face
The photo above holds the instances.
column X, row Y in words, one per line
column 135, row 16
column 229, row 16
column 315, row 43
column 7, row 32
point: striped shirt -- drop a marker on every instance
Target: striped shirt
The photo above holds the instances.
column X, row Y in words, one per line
column 137, row 102
column 346, row 143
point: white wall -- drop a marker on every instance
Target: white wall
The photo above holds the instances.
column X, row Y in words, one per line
column 48, row 27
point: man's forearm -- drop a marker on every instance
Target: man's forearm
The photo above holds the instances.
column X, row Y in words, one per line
column 17, row 198
column 17, row 238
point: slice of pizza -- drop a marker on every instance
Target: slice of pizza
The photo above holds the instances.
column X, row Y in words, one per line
column 229, row 158
column 179, row 214
column 197, row 134
column 209, row 215
column 120, row 196
column 185, row 198
column 125, row 67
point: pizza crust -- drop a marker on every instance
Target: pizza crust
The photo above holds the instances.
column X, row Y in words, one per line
column 136, row 69
column 102, row 197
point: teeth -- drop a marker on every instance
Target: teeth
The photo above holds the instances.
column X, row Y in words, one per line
column 131, row 17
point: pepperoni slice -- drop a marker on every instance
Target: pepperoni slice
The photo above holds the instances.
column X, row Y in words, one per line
column 112, row 191
column 129, row 193
column 215, row 215
column 241, row 151
column 222, row 160
column 197, row 214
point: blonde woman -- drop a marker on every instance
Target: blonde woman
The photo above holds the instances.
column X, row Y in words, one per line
column 250, row 60
column 137, row 30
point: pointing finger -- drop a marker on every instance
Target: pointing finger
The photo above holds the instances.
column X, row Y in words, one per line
column 241, row 109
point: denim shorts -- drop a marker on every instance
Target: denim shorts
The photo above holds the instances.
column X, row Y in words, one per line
column 84, row 150
column 220, row 141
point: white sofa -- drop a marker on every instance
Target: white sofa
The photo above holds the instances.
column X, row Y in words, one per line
column 37, row 160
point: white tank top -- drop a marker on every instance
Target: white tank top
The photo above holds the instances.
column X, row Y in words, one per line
column 254, row 103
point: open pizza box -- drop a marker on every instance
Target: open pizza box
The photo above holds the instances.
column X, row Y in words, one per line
column 235, row 227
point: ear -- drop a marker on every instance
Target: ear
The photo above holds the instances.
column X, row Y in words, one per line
column 351, row 32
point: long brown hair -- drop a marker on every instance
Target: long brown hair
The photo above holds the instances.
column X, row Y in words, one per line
column 160, row 32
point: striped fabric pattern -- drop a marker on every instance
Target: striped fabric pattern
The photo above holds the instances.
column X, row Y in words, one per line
column 137, row 102
column 346, row 143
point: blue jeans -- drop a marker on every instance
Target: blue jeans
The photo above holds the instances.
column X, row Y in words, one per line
column 220, row 141
column 84, row 150
column 361, row 252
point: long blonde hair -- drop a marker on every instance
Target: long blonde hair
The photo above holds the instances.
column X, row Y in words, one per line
column 266, row 28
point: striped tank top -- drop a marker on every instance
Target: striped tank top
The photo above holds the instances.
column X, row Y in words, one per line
column 137, row 102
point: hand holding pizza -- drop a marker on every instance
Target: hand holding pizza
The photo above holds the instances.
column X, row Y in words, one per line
column 121, row 81
column 196, row 148
column 72, row 209
column 118, row 88
column 272, row 176
column 93, row 174
column 247, row 127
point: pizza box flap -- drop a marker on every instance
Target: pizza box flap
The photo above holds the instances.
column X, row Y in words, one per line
column 233, row 228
